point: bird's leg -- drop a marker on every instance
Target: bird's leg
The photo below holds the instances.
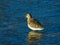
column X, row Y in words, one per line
column 34, row 30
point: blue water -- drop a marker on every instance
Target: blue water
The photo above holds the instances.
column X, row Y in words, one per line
column 13, row 25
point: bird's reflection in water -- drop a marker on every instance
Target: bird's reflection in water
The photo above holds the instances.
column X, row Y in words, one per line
column 34, row 38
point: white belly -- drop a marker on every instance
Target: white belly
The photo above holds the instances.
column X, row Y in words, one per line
column 35, row 28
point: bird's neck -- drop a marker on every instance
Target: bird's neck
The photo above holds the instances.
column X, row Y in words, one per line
column 29, row 19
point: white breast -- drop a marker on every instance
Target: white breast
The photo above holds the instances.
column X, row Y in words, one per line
column 35, row 28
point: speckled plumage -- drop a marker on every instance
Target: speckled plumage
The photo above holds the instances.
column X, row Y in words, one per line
column 33, row 24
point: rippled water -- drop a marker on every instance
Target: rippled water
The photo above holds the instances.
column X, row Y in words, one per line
column 13, row 25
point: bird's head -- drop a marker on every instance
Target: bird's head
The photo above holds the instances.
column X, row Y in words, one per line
column 28, row 15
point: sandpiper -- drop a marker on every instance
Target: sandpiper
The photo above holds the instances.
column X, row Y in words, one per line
column 33, row 24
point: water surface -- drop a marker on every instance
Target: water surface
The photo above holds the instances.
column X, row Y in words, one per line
column 13, row 25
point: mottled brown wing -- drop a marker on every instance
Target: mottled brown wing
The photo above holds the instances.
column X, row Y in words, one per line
column 34, row 23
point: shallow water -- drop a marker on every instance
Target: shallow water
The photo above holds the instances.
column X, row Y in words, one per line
column 13, row 25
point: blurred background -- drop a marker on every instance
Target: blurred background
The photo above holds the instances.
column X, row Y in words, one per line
column 13, row 24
